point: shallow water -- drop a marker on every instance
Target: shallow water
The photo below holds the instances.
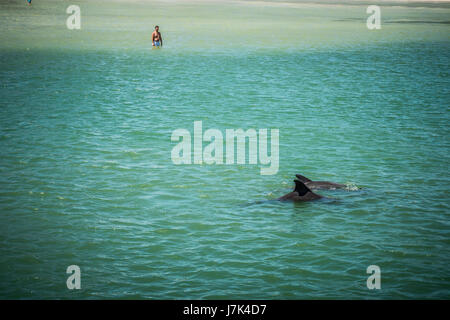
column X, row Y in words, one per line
column 86, row 175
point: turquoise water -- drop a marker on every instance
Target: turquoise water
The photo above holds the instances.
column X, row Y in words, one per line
column 86, row 175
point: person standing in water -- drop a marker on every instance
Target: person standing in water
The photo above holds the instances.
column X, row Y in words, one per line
column 156, row 37
column 29, row 2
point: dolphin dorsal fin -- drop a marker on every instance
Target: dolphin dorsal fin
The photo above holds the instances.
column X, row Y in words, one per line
column 302, row 178
column 300, row 188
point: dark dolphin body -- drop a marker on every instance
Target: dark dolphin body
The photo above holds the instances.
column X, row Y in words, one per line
column 300, row 193
column 319, row 184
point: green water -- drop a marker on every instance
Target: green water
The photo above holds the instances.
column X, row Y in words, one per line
column 86, row 176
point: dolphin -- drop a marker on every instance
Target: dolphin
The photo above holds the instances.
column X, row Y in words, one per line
column 301, row 193
column 319, row 184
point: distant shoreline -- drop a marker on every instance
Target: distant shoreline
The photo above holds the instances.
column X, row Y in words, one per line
column 405, row 3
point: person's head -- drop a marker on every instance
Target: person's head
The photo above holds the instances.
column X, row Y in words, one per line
column 156, row 28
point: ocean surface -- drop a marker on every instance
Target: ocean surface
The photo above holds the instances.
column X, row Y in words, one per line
column 87, row 179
